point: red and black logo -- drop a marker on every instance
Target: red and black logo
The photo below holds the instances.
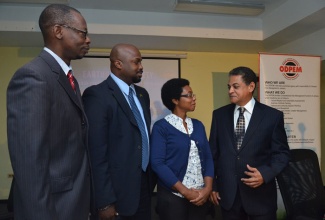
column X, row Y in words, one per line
column 290, row 68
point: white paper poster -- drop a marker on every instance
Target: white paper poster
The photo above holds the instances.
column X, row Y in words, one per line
column 291, row 83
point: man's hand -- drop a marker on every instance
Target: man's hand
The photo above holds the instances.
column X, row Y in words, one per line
column 108, row 214
column 214, row 197
column 255, row 178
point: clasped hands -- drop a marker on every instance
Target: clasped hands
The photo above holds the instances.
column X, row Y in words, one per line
column 198, row 196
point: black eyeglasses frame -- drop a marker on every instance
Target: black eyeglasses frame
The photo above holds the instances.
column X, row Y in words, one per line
column 84, row 33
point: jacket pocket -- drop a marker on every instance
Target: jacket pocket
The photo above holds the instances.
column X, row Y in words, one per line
column 61, row 184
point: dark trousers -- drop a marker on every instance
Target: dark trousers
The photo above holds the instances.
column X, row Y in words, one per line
column 172, row 207
column 144, row 209
column 237, row 212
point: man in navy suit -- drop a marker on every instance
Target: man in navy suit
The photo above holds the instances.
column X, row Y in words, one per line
column 245, row 184
column 122, row 183
column 47, row 125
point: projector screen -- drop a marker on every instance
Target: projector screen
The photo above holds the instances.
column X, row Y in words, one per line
column 156, row 71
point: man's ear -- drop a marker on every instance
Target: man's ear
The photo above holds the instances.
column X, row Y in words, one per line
column 118, row 64
column 57, row 31
column 252, row 86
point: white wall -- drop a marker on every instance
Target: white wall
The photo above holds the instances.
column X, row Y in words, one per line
column 312, row 44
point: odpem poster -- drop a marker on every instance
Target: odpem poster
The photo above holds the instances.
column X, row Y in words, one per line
column 291, row 84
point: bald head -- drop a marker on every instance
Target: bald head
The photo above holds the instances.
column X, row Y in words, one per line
column 121, row 51
column 126, row 63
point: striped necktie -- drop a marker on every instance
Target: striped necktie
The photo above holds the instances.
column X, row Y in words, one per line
column 138, row 118
column 71, row 80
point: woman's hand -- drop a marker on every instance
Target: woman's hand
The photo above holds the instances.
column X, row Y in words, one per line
column 203, row 196
column 191, row 194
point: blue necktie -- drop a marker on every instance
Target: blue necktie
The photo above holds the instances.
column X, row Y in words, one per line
column 138, row 118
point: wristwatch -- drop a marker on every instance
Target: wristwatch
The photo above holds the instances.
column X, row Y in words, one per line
column 104, row 208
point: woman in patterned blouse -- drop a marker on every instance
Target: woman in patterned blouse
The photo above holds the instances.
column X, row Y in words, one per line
column 181, row 157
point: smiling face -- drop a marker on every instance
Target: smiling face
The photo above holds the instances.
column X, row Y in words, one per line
column 239, row 92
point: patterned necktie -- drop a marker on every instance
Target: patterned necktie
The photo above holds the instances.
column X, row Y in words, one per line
column 138, row 118
column 71, row 80
column 240, row 128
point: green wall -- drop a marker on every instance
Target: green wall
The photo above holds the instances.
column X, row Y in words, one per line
column 10, row 60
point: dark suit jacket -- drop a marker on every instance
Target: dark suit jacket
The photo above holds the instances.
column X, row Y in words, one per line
column 47, row 139
column 115, row 145
column 264, row 147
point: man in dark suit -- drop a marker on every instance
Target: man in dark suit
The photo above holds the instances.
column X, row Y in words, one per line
column 247, row 157
column 47, row 125
column 121, row 177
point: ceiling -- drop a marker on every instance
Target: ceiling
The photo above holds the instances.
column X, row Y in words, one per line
column 159, row 5
column 155, row 25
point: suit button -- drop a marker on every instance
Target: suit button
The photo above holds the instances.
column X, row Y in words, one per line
column 139, row 147
column 238, row 158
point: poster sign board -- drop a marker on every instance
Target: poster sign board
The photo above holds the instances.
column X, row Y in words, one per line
column 291, row 84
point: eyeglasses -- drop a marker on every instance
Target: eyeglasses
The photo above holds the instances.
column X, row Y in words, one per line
column 188, row 95
column 84, row 33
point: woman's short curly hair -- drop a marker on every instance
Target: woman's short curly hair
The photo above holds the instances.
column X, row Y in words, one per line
column 172, row 89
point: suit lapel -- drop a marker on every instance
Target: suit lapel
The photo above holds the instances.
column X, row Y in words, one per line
column 257, row 116
column 75, row 97
column 120, row 98
column 230, row 129
column 62, row 78
column 78, row 95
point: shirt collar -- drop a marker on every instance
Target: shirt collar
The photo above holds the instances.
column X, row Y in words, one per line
column 179, row 119
column 248, row 107
column 58, row 59
column 177, row 122
column 122, row 85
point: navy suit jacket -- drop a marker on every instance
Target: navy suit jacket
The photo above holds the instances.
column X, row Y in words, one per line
column 47, row 140
column 264, row 147
column 115, row 145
